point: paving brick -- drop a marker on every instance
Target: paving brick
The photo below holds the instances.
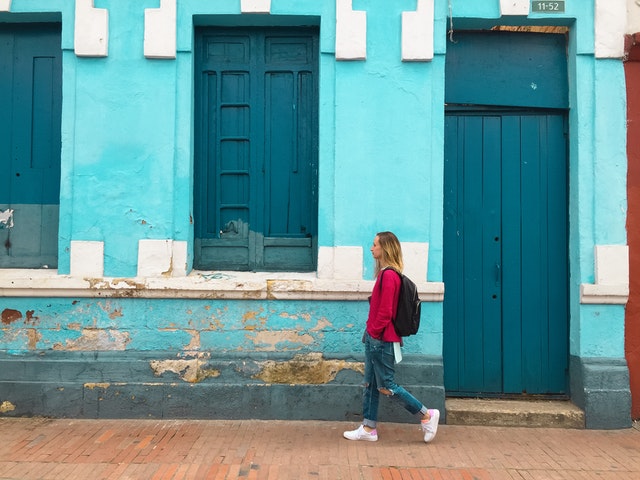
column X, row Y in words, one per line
column 37, row 449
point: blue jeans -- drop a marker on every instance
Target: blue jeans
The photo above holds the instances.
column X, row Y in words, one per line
column 379, row 373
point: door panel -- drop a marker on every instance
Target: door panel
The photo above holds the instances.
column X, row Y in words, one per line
column 30, row 143
column 256, row 162
column 505, row 258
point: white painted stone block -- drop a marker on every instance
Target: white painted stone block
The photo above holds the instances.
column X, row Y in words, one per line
column 340, row 263
column 5, row 5
column 611, row 276
column 514, row 7
column 154, row 257
column 160, row 30
column 351, row 32
column 325, row 262
column 417, row 33
column 179, row 259
column 416, row 260
column 633, row 17
column 255, row 6
column 347, row 263
column 87, row 259
column 91, row 33
column 612, row 264
column 610, row 27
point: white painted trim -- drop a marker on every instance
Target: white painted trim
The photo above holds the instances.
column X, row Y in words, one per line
column 417, row 32
column 347, row 263
column 255, row 6
column 342, row 263
column 154, row 258
column 198, row 285
column 160, row 30
column 5, row 5
column 611, row 276
column 162, row 258
column 610, row 25
column 87, row 259
column 91, row 31
column 351, row 32
column 416, row 260
column 515, row 7
column 179, row 259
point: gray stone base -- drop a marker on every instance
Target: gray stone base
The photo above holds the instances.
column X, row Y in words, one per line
column 162, row 385
column 600, row 386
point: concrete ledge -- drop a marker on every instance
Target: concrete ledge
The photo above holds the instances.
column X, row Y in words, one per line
column 204, row 386
column 600, row 386
column 198, row 284
column 514, row 413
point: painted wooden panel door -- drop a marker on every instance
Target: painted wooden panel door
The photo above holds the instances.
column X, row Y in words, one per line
column 30, row 116
column 255, row 198
column 505, row 254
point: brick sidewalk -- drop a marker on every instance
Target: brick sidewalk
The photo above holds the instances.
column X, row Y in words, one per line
column 45, row 449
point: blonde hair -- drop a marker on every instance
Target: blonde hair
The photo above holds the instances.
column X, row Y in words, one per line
column 391, row 252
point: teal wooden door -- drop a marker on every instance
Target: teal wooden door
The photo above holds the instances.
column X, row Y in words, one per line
column 505, row 253
column 255, row 194
column 30, row 116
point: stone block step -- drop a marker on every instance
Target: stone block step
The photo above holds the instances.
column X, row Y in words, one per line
column 514, row 413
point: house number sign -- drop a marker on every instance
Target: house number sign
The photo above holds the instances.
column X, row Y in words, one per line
column 547, row 7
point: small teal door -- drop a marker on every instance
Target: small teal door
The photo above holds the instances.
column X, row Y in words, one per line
column 256, row 158
column 30, row 116
column 505, row 253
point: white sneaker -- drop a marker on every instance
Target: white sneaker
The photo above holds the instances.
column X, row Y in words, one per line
column 431, row 427
column 361, row 434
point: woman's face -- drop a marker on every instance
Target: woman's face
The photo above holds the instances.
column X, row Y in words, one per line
column 376, row 249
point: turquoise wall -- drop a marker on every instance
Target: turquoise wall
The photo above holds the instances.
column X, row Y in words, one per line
column 127, row 155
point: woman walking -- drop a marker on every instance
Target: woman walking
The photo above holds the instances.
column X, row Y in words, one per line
column 379, row 338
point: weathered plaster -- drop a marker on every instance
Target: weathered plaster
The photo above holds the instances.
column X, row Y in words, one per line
column 7, row 406
column 6, row 218
column 310, row 368
column 279, row 341
column 188, row 370
column 91, row 38
column 96, row 340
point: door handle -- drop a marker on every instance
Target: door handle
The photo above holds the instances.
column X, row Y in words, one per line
column 498, row 275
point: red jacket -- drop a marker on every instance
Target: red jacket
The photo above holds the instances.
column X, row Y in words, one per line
column 383, row 305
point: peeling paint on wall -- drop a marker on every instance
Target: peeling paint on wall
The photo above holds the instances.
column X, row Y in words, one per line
column 33, row 337
column 188, row 370
column 305, row 369
column 6, row 218
column 7, row 406
column 252, row 320
column 92, row 339
column 92, row 386
column 9, row 316
column 267, row 341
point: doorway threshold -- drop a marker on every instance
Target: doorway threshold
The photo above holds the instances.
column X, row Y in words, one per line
column 514, row 413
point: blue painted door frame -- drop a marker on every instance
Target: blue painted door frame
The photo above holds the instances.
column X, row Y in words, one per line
column 255, row 195
column 505, row 256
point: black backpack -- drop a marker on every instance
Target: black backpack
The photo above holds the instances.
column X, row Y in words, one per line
column 407, row 321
